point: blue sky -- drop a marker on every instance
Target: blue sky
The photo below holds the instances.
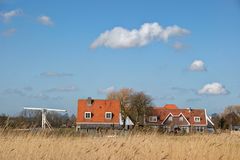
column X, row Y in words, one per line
column 54, row 52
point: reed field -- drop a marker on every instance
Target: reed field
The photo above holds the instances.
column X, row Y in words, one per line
column 31, row 146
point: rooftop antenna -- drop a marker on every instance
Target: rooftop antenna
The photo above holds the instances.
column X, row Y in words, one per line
column 44, row 115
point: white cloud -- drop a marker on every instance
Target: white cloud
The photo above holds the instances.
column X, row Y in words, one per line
column 55, row 74
column 120, row 37
column 7, row 16
column 63, row 89
column 106, row 90
column 9, row 32
column 45, row 20
column 213, row 89
column 198, row 65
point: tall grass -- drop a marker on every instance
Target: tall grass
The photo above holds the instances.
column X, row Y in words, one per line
column 44, row 145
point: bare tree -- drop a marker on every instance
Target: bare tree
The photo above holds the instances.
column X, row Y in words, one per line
column 229, row 118
column 28, row 118
column 232, row 109
column 123, row 96
column 139, row 107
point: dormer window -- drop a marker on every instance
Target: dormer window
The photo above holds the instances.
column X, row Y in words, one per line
column 197, row 119
column 152, row 118
column 108, row 115
column 88, row 115
column 170, row 118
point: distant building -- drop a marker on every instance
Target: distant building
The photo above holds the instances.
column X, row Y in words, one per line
column 173, row 119
column 98, row 113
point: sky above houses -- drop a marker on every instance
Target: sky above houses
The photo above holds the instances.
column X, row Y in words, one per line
column 54, row 52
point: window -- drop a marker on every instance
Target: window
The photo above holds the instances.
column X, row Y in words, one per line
column 197, row 119
column 88, row 115
column 152, row 118
column 181, row 118
column 108, row 115
column 200, row 129
column 170, row 118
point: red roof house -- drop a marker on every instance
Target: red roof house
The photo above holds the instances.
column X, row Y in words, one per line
column 98, row 113
column 172, row 118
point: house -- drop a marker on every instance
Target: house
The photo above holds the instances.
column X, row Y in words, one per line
column 99, row 113
column 173, row 119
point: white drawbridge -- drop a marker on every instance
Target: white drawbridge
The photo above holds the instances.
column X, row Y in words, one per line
column 44, row 115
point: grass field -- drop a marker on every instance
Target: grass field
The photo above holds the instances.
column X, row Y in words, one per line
column 26, row 146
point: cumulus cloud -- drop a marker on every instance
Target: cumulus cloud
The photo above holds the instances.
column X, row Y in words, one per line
column 106, row 90
column 7, row 16
column 63, row 89
column 120, row 37
column 9, row 32
column 214, row 88
column 45, row 20
column 198, row 66
column 55, row 74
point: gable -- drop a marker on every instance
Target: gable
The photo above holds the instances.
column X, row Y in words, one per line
column 179, row 120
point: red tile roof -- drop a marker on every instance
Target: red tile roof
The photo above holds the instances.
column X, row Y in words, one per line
column 170, row 106
column 98, row 110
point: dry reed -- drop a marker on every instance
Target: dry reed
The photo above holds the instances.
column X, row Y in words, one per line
column 26, row 146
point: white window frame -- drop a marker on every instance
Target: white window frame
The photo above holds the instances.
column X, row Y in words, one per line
column 106, row 113
column 85, row 115
column 152, row 118
column 197, row 119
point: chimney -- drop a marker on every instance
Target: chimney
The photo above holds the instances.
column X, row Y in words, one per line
column 89, row 101
column 189, row 109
